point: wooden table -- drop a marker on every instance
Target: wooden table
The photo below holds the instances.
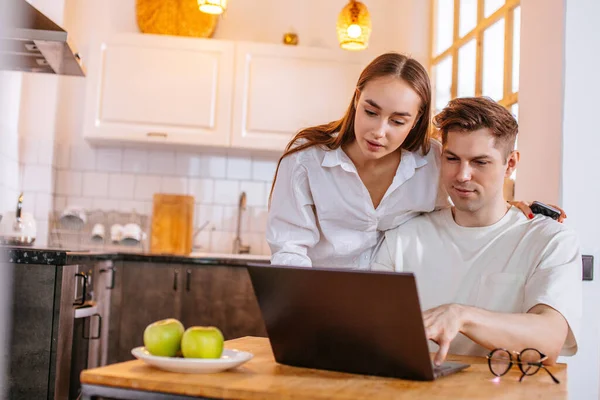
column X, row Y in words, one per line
column 263, row 378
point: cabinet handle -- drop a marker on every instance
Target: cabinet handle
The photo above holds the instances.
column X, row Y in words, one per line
column 175, row 279
column 76, row 302
column 157, row 134
column 97, row 336
column 188, row 276
column 113, row 271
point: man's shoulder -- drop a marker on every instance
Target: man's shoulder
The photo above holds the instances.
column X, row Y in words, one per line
column 420, row 222
column 546, row 230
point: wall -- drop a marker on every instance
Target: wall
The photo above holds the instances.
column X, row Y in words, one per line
column 10, row 94
column 124, row 179
column 400, row 25
column 559, row 83
column 580, row 189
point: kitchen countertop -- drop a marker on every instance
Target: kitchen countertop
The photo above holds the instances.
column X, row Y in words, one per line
column 48, row 256
column 263, row 378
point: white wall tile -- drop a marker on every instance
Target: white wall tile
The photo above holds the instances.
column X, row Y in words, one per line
column 139, row 207
column 61, row 155
column 121, row 186
column 69, row 183
column 255, row 193
column 161, row 162
column 83, row 158
column 202, row 241
column 28, row 150
column 37, row 178
column 213, row 166
column 212, row 214
column 135, row 160
column 109, row 160
column 173, row 185
column 45, row 152
column 60, row 203
column 227, row 192
column 221, row 242
column 95, row 184
column 202, row 190
column 257, row 219
column 43, row 206
column 230, row 217
column 255, row 241
column 188, row 164
column 41, row 237
column 80, row 202
column 263, row 169
column 145, row 187
column 239, row 168
column 106, row 204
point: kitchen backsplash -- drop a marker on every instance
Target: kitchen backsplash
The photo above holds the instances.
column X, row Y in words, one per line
column 125, row 179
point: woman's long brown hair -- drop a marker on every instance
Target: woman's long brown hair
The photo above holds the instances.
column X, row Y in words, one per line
column 389, row 64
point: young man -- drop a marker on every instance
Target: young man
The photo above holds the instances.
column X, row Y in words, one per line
column 488, row 276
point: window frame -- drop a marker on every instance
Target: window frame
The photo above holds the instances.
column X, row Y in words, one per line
column 507, row 12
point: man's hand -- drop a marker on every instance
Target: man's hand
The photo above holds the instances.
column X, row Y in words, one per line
column 442, row 324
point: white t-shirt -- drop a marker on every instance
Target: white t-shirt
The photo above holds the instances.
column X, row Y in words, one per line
column 507, row 267
column 321, row 213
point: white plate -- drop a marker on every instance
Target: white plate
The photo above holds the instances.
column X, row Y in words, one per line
column 229, row 359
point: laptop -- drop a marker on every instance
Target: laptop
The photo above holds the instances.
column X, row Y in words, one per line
column 351, row 321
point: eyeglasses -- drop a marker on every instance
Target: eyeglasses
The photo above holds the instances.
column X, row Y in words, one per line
column 529, row 361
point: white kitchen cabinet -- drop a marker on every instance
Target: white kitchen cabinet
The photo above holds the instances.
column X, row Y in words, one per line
column 155, row 88
column 280, row 90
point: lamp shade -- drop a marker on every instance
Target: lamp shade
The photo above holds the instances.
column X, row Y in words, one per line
column 212, row 6
column 354, row 26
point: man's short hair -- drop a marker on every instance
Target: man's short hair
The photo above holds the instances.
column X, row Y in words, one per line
column 469, row 114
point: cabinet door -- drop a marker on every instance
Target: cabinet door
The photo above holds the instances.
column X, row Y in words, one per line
column 157, row 88
column 280, row 90
column 144, row 293
column 31, row 331
column 221, row 296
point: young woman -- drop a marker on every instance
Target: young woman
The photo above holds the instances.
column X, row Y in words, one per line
column 338, row 186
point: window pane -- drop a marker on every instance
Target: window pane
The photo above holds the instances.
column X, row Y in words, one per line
column 490, row 6
column 444, row 25
column 467, row 17
column 466, row 69
column 516, row 49
column 514, row 109
column 493, row 61
column 443, row 83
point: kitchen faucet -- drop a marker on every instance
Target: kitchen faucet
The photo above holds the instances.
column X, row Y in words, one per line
column 238, row 247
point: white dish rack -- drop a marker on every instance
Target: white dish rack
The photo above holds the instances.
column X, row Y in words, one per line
column 64, row 234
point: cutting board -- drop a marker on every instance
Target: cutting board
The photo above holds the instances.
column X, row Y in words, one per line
column 172, row 224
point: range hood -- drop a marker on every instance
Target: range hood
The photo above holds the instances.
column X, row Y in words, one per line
column 32, row 42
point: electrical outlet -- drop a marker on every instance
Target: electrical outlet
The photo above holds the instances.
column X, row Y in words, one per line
column 588, row 268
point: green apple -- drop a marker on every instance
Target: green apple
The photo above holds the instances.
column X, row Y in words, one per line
column 202, row 342
column 163, row 338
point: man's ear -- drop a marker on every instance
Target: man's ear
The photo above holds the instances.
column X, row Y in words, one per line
column 512, row 162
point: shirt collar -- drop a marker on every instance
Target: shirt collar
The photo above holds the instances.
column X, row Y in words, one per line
column 409, row 161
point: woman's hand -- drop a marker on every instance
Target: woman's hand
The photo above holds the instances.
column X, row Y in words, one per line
column 524, row 206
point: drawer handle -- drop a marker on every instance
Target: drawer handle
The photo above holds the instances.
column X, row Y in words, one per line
column 99, row 327
column 188, row 279
column 175, row 279
column 112, row 276
column 156, row 134
column 80, row 275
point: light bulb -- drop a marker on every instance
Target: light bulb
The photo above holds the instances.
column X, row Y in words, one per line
column 354, row 31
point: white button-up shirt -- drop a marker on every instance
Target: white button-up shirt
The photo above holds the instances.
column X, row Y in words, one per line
column 322, row 215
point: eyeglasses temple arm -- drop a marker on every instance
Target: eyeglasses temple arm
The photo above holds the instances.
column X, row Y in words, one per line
column 550, row 373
